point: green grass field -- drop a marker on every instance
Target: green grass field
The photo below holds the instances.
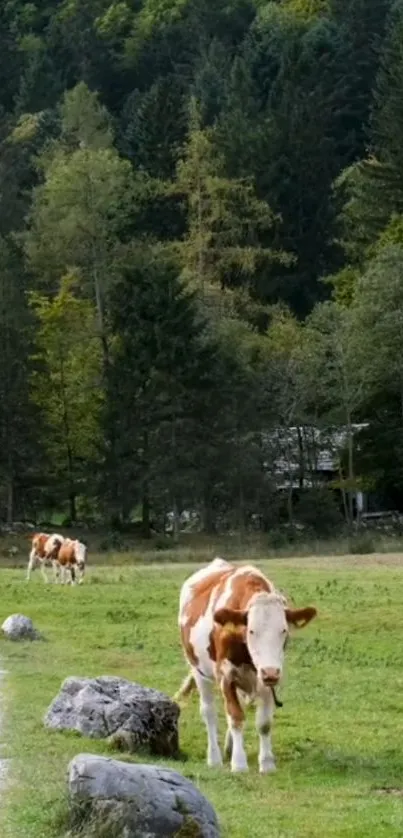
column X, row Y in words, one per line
column 337, row 740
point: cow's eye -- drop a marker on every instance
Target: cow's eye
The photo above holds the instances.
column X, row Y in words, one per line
column 251, row 631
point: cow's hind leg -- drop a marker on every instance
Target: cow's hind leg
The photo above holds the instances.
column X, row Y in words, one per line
column 235, row 717
column 209, row 716
column 31, row 564
column 43, row 571
column 264, row 716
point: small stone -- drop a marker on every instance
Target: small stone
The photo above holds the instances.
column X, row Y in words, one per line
column 129, row 715
column 136, row 801
column 19, row 627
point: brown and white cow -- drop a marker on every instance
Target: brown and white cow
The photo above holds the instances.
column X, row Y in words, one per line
column 71, row 558
column 234, row 627
column 44, row 550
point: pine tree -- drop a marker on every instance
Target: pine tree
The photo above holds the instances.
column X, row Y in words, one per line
column 228, row 227
column 160, row 373
column 19, row 438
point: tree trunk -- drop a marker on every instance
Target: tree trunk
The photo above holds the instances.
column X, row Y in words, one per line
column 350, row 471
column 10, row 480
column 175, row 523
column 301, row 476
column 208, row 514
column 241, row 500
column 343, row 494
column 69, row 452
column 10, row 499
column 145, row 512
column 145, row 502
column 72, row 504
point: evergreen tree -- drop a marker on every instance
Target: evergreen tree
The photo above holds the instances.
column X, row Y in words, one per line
column 161, row 370
column 19, row 445
column 227, row 225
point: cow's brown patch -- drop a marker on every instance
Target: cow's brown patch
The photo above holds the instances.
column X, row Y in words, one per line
column 66, row 554
column 39, row 540
column 232, row 705
column 244, row 586
column 230, row 617
column 197, row 607
column 231, row 645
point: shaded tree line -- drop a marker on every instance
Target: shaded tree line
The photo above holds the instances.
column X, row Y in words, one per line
column 201, row 245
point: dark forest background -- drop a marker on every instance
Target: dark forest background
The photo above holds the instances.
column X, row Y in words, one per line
column 201, row 261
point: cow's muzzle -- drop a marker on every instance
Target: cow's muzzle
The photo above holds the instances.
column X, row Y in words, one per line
column 270, row 676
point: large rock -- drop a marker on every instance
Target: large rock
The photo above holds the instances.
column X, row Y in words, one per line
column 119, row 800
column 18, row 627
column 131, row 715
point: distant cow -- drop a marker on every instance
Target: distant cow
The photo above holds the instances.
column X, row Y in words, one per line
column 44, row 551
column 234, row 628
column 71, row 558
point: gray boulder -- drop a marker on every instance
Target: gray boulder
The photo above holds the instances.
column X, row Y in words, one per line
column 130, row 715
column 18, row 627
column 118, row 800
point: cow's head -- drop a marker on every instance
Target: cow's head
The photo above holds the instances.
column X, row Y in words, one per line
column 266, row 623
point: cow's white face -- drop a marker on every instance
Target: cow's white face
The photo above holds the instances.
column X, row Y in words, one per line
column 266, row 636
column 266, row 623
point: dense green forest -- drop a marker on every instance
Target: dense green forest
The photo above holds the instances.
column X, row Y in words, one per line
column 201, row 247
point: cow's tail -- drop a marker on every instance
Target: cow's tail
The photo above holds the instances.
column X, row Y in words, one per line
column 187, row 686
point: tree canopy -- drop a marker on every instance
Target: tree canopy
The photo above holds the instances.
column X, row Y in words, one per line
column 201, row 232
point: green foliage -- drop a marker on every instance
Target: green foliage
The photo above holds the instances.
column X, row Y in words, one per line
column 18, row 442
column 250, row 153
column 67, row 386
column 226, row 221
column 318, row 510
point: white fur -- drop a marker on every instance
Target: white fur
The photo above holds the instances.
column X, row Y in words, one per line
column 266, row 631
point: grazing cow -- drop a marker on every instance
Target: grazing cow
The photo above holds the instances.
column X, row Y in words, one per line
column 234, row 628
column 71, row 558
column 44, row 550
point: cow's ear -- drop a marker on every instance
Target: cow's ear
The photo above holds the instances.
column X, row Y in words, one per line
column 300, row 616
column 231, row 615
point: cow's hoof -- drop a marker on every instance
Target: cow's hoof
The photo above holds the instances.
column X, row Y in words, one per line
column 238, row 767
column 268, row 767
column 214, row 761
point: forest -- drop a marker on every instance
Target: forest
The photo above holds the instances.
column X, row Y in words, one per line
column 201, row 251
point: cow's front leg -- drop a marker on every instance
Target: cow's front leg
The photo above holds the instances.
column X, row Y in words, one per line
column 235, row 718
column 264, row 717
column 209, row 716
column 56, row 572
column 228, row 743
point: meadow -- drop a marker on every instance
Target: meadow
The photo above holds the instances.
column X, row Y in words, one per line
column 337, row 739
